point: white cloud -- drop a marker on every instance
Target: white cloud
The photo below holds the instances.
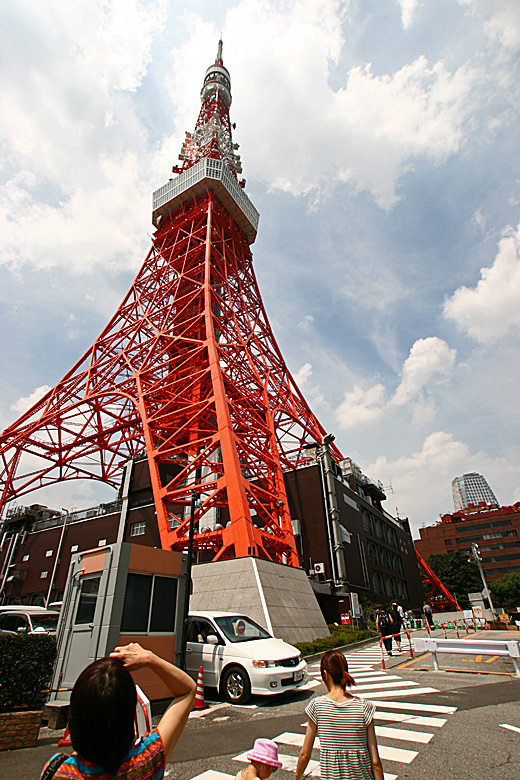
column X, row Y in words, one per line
column 422, row 481
column 430, row 359
column 23, row 403
column 361, row 406
column 503, row 22
column 408, row 8
column 367, row 132
column 490, row 310
column 306, row 322
column 303, row 375
column 74, row 147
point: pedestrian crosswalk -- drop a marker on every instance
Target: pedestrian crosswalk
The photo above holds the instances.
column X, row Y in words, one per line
column 402, row 727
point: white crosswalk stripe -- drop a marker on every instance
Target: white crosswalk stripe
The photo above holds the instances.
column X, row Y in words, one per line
column 414, row 720
column 407, row 692
column 397, row 754
column 405, row 734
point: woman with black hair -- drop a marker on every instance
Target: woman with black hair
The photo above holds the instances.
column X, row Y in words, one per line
column 102, row 714
column 345, row 726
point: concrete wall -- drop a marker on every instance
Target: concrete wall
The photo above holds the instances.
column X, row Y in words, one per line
column 278, row 597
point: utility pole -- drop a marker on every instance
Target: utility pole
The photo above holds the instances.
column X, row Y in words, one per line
column 187, row 592
column 478, row 559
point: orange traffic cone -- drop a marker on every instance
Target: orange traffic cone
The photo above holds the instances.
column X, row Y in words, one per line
column 199, row 696
column 65, row 740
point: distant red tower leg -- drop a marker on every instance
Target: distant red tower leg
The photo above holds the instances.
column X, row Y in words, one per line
column 443, row 601
column 187, row 370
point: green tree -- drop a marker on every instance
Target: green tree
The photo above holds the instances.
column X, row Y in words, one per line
column 505, row 592
column 456, row 574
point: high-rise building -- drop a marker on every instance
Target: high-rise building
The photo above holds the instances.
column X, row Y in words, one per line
column 473, row 489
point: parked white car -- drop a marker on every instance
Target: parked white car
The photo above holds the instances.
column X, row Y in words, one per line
column 28, row 620
column 240, row 658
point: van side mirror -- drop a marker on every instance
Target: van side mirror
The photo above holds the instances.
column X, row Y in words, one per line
column 212, row 640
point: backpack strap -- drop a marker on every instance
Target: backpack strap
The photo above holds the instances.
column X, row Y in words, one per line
column 54, row 765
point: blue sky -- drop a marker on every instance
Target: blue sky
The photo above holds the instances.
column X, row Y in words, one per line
column 380, row 144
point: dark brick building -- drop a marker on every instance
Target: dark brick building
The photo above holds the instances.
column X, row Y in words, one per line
column 496, row 531
column 377, row 549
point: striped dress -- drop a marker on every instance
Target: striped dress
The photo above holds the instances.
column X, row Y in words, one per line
column 342, row 731
column 144, row 761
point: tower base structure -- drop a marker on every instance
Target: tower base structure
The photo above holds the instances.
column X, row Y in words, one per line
column 276, row 596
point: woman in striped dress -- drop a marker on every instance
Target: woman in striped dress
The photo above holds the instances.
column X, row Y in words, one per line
column 345, row 726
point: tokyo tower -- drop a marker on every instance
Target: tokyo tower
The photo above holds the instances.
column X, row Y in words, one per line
column 187, row 372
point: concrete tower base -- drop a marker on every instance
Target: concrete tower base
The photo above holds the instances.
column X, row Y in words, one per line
column 278, row 597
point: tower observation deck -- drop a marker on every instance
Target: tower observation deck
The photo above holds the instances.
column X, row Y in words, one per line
column 187, row 373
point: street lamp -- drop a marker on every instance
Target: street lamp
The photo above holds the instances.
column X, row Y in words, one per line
column 478, row 559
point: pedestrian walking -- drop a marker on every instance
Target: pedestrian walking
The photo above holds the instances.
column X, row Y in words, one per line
column 345, row 726
column 410, row 619
column 397, row 621
column 385, row 627
column 428, row 614
column 263, row 761
column 101, row 720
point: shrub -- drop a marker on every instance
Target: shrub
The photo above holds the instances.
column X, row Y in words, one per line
column 26, row 663
column 340, row 636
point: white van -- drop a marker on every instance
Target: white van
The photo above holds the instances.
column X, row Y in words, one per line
column 240, row 658
column 18, row 619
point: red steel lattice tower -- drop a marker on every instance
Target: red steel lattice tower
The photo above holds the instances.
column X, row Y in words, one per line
column 187, row 371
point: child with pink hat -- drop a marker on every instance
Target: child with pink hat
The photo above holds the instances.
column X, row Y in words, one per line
column 264, row 761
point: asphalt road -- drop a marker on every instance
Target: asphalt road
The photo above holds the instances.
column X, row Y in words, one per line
column 470, row 746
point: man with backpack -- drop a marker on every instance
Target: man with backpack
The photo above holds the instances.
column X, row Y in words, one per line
column 384, row 625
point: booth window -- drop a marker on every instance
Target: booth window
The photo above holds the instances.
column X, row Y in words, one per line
column 149, row 605
column 87, row 600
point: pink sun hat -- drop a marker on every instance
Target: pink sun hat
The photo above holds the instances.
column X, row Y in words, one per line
column 265, row 751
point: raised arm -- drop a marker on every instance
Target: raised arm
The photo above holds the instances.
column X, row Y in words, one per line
column 170, row 727
column 375, row 761
column 306, row 751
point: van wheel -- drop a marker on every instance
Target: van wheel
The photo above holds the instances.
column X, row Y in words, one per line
column 236, row 687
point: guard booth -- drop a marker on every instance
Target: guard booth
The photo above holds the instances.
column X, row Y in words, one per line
column 115, row 595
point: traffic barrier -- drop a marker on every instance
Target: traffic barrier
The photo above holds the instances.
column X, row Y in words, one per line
column 199, row 695
column 408, row 634
column 468, row 647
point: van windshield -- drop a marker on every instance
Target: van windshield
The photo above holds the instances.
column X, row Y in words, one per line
column 241, row 629
column 48, row 622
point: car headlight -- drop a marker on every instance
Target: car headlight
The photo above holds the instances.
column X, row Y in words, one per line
column 265, row 664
